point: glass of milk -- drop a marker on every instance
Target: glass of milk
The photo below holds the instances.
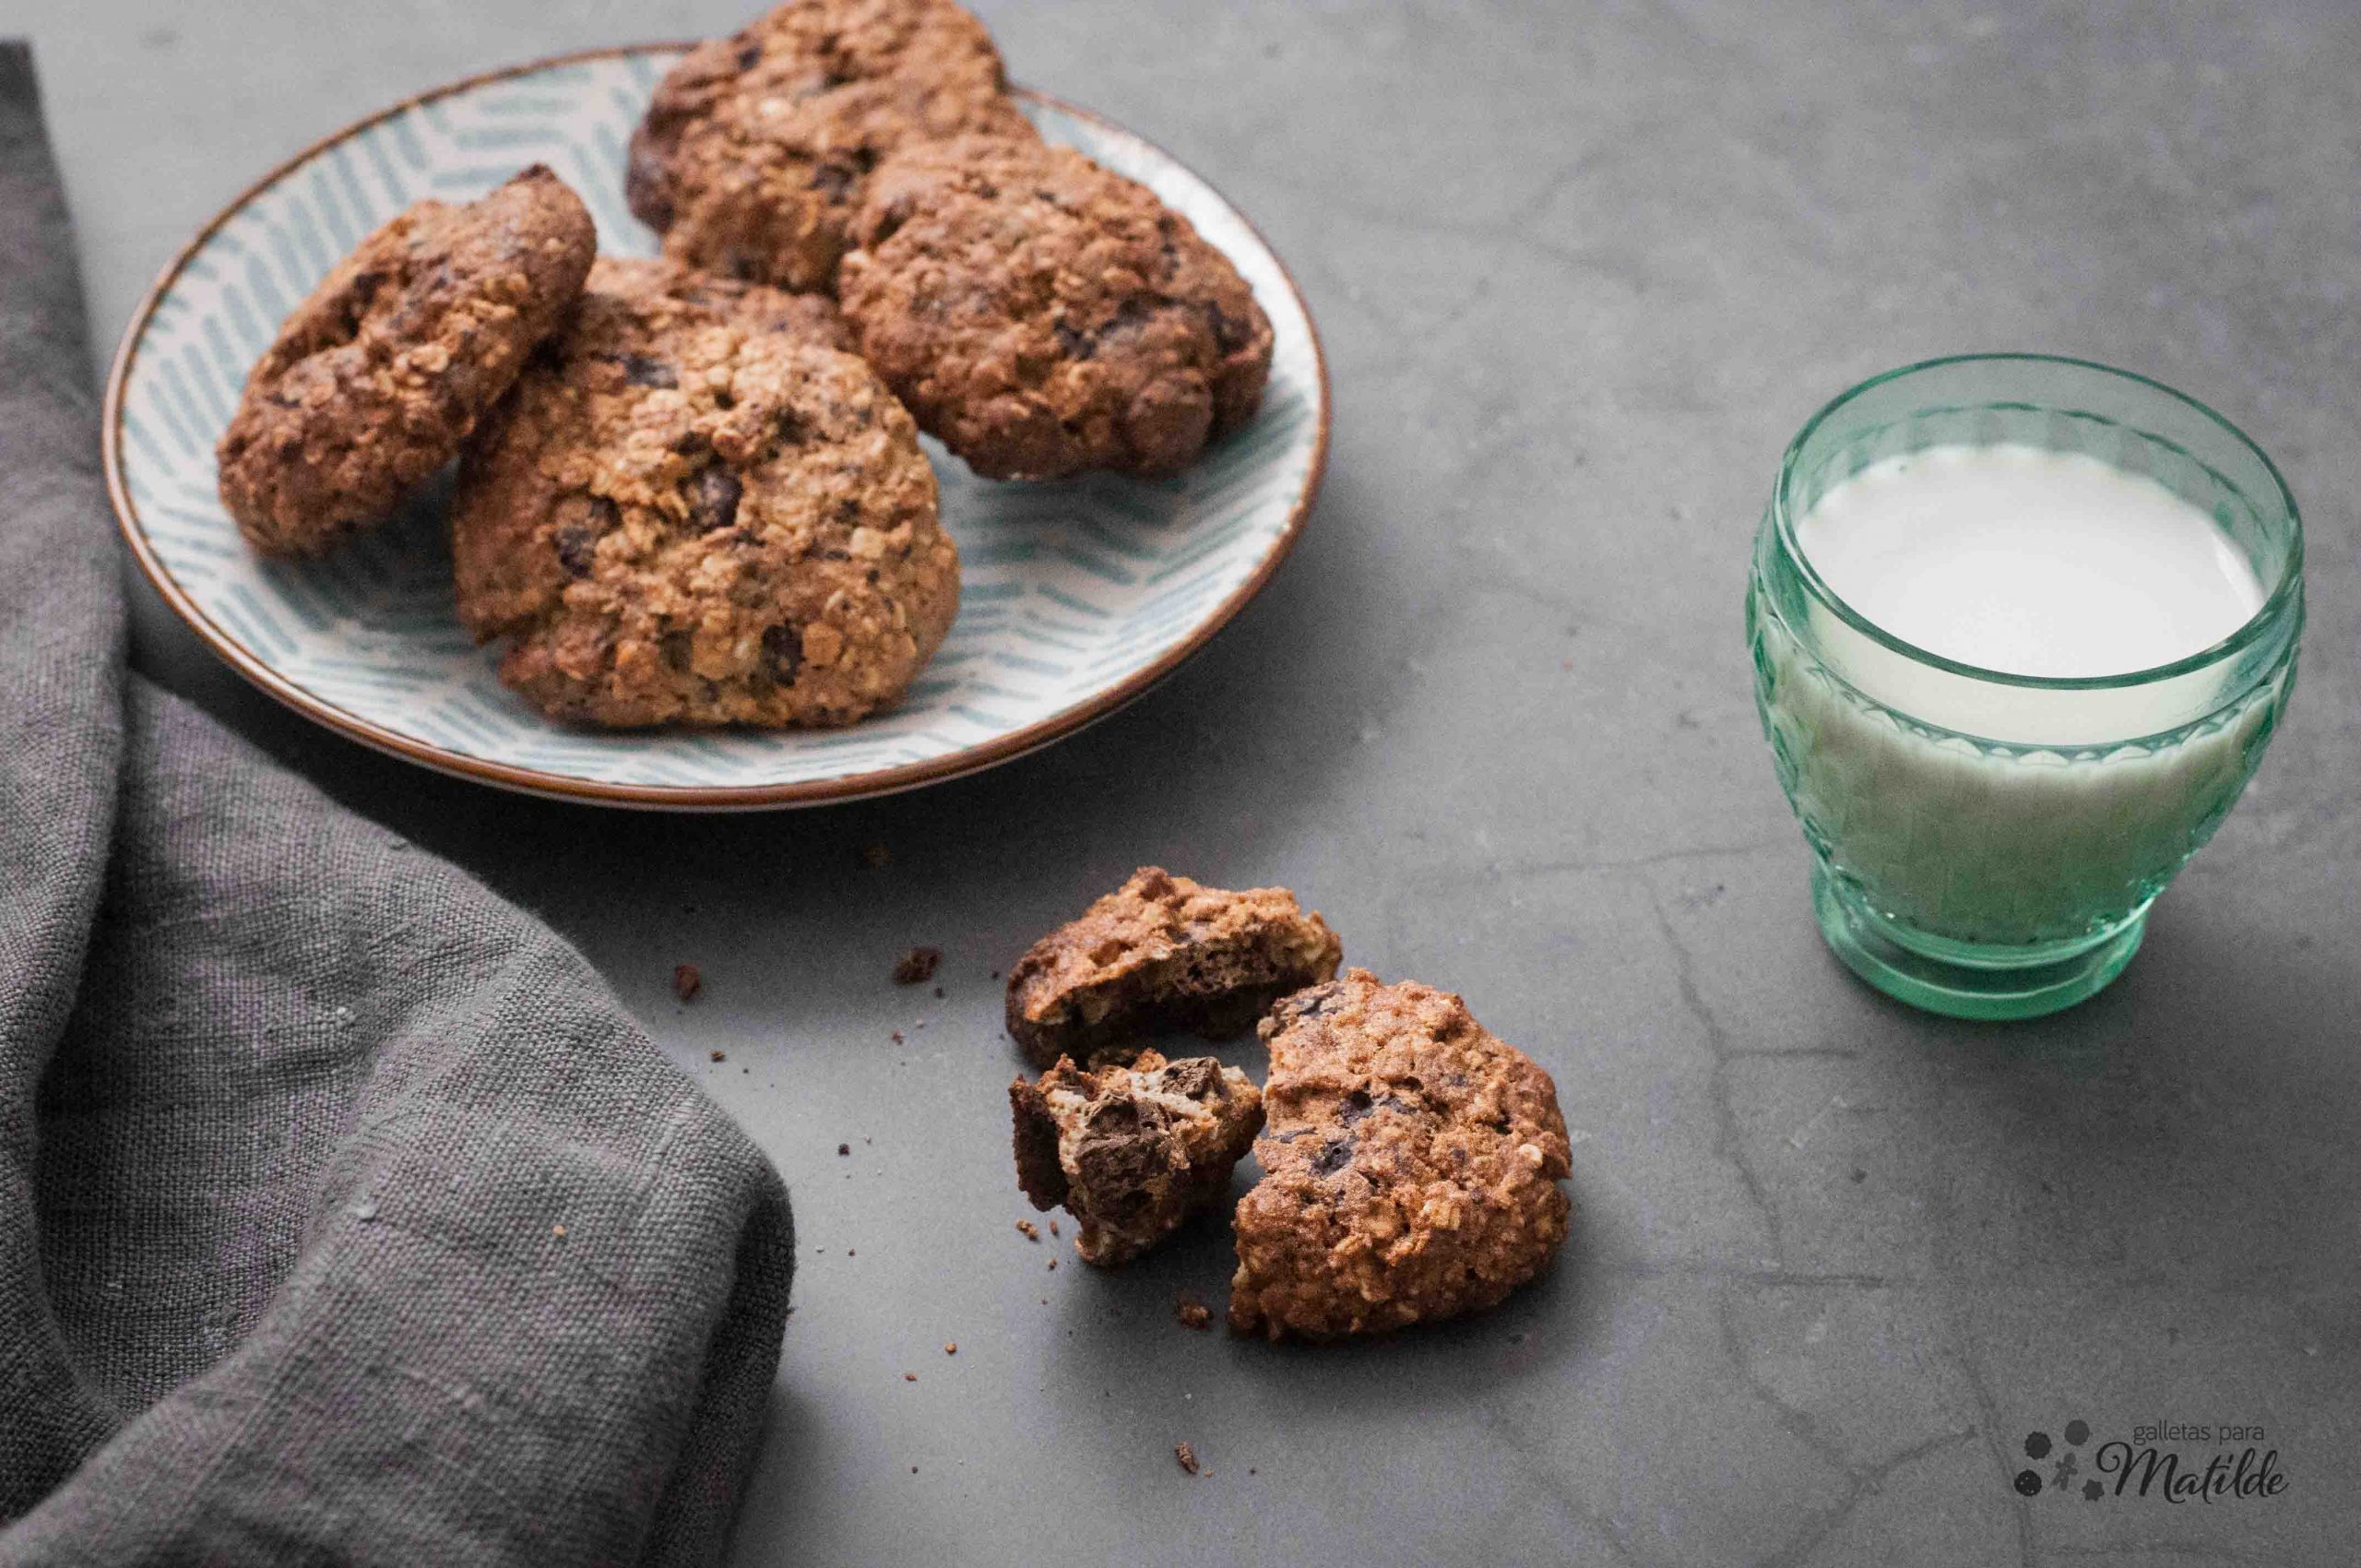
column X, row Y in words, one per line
column 2022, row 628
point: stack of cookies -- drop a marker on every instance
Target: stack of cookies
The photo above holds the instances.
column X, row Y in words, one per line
column 691, row 489
column 1410, row 1158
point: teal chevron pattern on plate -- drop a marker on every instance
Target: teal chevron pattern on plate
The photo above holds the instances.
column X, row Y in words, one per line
column 1069, row 590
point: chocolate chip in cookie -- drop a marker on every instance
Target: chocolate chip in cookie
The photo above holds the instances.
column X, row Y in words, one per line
column 696, row 509
column 756, row 147
column 1162, row 952
column 376, row 379
column 1043, row 315
column 1131, row 1152
column 1411, row 1161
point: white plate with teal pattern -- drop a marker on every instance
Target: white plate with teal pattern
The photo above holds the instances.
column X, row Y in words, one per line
column 1076, row 598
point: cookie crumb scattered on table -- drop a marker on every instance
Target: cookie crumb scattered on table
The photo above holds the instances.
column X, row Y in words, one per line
column 1193, row 1314
column 844, row 1150
column 717, row 1056
column 686, row 982
column 951, row 1348
column 916, row 966
column 1187, row 1456
column 1025, row 1227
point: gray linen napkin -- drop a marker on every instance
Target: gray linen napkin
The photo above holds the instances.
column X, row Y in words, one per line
column 344, row 1216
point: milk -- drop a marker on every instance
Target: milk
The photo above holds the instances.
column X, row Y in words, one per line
column 2028, row 560
column 1979, row 812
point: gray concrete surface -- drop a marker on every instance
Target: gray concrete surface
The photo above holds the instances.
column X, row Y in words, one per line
column 1581, row 270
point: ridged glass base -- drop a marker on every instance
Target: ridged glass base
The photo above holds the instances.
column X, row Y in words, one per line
column 1962, row 982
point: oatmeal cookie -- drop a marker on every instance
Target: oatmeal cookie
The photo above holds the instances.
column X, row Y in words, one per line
column 1161, row 952
column 756, row 147
column 1132, row 1151
column 376, row 379
column 694, row 510
column 1411, row 1163
column 1044, row 315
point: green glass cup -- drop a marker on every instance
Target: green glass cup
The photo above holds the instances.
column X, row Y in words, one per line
column 1986, row 845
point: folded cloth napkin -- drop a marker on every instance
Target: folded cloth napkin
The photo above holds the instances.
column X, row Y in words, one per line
column 344, row 1216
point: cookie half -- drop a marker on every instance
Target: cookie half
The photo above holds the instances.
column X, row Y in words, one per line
column 1131, row 1152
column 757, row 147
column 1411, row 1161
column 1044, row 315
column 376, row 379
column 1162, row 952
column 693, row 509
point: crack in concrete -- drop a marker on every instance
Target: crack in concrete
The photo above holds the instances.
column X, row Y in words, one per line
column 1860, row 1480
column 2194, row 1551
column 1867, row 1482
column 1521, row 1443
column 1643, row 863
column 1728, row 1138
column 1988, row 1411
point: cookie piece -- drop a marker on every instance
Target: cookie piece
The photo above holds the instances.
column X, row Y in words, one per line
column 1132, row 1151
column 1161, row 952
column 376, row 379
column 756, row 147
column 694, row 510
column 1044, row 315
column 1411, row 1163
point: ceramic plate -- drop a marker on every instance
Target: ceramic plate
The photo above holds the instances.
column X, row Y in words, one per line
column 1077, row 597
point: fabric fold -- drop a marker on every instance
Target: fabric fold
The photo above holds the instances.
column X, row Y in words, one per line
column 344, row 1214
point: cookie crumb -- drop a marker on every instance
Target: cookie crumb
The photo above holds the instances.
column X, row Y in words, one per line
column 1025, row 1228
column 909, row 1377
column 898, row 1036
column 686, row 982
column 1187, row 1456
column 1053, row 1228
column 916, row 966
column 1053, row 1266
column 851, row 1254
column 717, row 1056
column 557, row 1230
column 1194, row 1314
column 844, row 1151
column 876, row 857
column 951, row 1348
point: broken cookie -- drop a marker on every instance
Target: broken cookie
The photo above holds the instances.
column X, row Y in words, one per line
column 1132, row 1151
column 1161, row 952
column 1411, row 1163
